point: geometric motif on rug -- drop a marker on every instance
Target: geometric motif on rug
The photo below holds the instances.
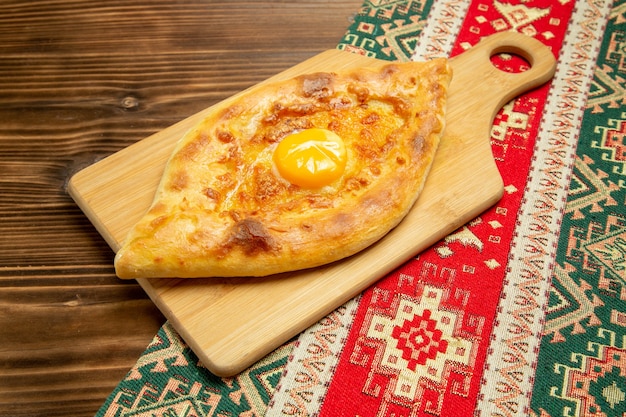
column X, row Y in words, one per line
column 570, row 305
column 595, row 232
column 168, row 380
column 503, row 16
column 612, row 145
column 386, row 29
column 510, row 127
column 419, row 346
column 593, row 381
column 609, row 253
column 311, row 363
column 592, row 261
column 590, row 189
column 607, row 87
column 518, row 17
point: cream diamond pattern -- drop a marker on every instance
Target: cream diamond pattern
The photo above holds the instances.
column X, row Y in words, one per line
column 420, row 339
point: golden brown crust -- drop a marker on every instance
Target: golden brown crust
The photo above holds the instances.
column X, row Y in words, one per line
column 223, row 210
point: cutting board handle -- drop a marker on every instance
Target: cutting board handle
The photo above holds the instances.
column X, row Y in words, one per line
column 494, row 87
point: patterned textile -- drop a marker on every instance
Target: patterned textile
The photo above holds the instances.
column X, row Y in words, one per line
column 169, row 381
column 581, row 366
column 520, row 312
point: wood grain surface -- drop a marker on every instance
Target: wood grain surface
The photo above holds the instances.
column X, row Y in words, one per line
column 80, row 80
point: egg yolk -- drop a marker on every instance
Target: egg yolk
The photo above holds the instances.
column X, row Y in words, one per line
column 311, row 158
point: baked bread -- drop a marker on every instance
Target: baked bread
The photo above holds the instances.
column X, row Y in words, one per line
column 293, row 174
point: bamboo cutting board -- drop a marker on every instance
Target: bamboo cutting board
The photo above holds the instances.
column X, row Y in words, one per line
column 232, row 323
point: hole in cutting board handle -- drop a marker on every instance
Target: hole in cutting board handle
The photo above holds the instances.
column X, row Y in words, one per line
column 510, row 62
column 512, row 59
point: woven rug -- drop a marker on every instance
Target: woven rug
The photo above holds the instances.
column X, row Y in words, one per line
column 520, row 312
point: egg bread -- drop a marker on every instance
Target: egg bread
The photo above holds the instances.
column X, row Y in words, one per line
column 293, row 175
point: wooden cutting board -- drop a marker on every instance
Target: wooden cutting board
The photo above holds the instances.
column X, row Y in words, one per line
column 232, row 323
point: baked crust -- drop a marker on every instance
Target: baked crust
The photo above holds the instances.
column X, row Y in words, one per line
column 222, row 209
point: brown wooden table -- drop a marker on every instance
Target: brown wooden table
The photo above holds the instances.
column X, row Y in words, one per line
column 80, row 80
